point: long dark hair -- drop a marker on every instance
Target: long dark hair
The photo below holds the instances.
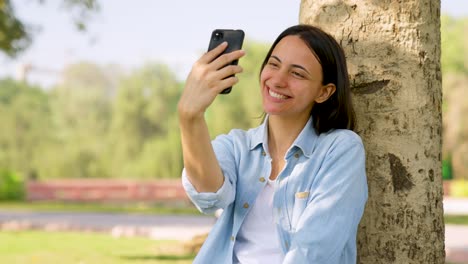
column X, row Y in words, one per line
column 337, row 111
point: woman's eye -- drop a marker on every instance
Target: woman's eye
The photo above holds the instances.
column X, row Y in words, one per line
column 273, row 64
column 298, row 74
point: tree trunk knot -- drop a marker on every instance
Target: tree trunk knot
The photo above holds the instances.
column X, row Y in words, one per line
column 401, row 178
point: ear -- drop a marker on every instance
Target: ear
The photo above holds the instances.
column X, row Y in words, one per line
column 325, row 93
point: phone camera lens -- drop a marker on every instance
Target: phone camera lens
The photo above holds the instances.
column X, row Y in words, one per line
column 218, row 35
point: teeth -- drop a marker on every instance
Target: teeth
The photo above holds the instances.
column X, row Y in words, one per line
column 276, row 95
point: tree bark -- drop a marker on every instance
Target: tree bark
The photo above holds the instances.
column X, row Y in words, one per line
column 393, row 52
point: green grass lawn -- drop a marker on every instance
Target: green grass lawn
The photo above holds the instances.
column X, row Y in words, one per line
column 456, row 219
column 40, row 247
column 145, row 208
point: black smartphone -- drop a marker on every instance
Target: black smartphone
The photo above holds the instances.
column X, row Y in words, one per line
column 234, row 38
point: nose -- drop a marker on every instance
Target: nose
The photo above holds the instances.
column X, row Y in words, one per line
column 279, row 79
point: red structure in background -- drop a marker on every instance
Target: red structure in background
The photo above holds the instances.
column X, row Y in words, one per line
column 106, row 190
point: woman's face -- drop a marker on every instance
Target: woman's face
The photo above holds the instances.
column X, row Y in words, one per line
column 291, row 81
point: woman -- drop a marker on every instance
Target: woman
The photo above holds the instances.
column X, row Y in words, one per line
column 294, row 189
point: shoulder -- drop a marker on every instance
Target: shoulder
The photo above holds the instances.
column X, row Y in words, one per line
column 239, row 137
column 339, row 142
column 341, row 136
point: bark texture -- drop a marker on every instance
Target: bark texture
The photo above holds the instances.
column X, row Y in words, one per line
column 393, row 52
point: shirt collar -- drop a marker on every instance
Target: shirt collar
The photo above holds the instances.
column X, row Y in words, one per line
column 260, row 135
column 305, row 140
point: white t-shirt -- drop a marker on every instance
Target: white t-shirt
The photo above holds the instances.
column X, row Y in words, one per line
column 257, row 241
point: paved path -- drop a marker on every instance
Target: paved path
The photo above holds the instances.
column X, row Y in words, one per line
column 185, row 227
column 153, row 226
column 456, row 236
column 456, row 243
column 455, row 206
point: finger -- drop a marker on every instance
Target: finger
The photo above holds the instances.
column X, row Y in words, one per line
column 228, row 82
column 227, row 71
column 227, row 59
column 212, row 54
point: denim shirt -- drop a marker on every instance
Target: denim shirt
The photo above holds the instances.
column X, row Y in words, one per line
column 318, row 202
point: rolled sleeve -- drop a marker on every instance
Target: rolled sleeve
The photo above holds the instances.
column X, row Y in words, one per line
column 207, row 202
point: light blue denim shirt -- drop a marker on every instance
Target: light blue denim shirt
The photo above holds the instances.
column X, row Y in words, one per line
column 318, row 202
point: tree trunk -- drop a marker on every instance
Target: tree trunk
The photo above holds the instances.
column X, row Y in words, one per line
column 393, row 52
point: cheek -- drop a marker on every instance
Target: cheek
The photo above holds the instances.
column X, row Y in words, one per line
column 265, row 74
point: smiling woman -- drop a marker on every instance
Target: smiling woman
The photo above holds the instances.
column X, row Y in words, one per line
column 301, row 172
column 292, row 79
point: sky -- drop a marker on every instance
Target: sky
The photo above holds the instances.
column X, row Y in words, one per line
column 172, row 32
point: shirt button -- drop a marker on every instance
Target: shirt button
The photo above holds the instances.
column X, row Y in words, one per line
column 232, row 238
column 263, row 153
column 262, row 179
column 246, row 205
column 296, row 155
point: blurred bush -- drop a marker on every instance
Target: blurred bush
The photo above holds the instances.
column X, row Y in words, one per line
column 459, row 188
column 12, row 186
column 447, row 173
column 454, row 60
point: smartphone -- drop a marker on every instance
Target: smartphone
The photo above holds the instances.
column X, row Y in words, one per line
column 234, row 38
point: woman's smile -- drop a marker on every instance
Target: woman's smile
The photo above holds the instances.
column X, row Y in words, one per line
column 276, row 95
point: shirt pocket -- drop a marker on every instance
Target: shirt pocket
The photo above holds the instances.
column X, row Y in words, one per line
column 300, row 204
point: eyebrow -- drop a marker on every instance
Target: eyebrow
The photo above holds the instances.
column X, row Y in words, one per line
column 293, row 65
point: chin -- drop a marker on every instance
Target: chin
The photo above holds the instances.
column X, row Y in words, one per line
column 272, row 111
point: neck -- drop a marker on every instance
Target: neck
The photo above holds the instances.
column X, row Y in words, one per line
column 282, row 132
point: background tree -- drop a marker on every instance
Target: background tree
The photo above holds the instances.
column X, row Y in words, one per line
column 102, row 122
column 455, row 103
column 16, row 35
column 143, row 111
column 393, row 51
column 81, row 109
column 25, row 126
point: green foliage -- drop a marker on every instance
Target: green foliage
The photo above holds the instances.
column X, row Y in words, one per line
column 454, row 60
column 13, row 35
column 143, row 125
column 16, row 36
column 24, row 115
column 11, row 186
column 454, row 57
column 81, row 113
column 447, row 173
column 99, row 122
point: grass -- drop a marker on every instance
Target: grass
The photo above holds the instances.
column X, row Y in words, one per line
column 127, row 208
column 37, row 247
column 456, row 219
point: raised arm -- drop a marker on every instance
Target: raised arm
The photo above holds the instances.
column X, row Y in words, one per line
column 206, row 80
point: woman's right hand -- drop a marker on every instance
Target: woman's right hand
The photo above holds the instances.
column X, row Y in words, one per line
column 207, row 79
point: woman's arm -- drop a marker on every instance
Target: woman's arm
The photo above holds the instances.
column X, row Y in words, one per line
column 206, row 80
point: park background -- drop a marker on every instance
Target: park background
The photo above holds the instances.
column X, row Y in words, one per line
column 100, row 103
